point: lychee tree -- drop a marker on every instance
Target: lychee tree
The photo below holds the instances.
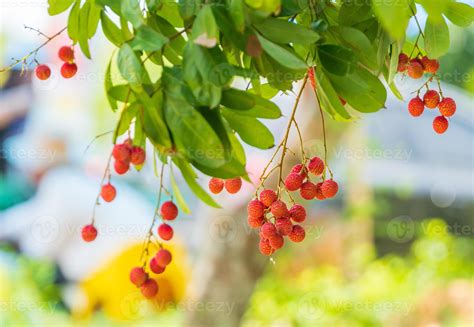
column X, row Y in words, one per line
column 195, row 117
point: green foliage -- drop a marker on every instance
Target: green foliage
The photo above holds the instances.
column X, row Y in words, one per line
column 189, row 110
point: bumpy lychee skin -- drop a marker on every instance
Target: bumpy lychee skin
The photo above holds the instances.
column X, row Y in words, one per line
column 216, row 185
column 308, row 191
column 68, row 70
column 108, row 192
column 297, row 234
column 402, row 62
column 300, row 169
column 298, row 213
column 149, row 288
column 137, row 156
column 265, row 247
column 66, row 54
column 440, row 124
column 293, row 181
column 311, row 77
column 329, row 188
column 121, row 152
column 415, row 69
column 283, row 225
column 277, row 241
column 316, row 166
column 138, row 276
column 89, row 233
column 155, row 267
column 255, row 222
column 447, row 107
column 278, row 209
column 169, row 210
column 319, row 194
column 165, row 232
column 268, row 230
column 267, row 197
column 416, row 106
column 163, row 257
column 121, row 167
column 431, row 66
column 431, row 99
column 255, row 208
column 233, row 185
column 43, row 72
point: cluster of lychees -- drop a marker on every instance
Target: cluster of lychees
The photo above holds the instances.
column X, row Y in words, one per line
column 272, row 216
column 232, row 185
column 138, row 275
column 415, row 68
column 125, row 154
column 68, row 69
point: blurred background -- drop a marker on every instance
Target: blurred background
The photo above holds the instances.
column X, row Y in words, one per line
column 394, row 248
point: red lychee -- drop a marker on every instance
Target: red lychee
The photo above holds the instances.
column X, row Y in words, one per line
column 298, row 213
column 293, row 181
column 447, row 107
column 431, row 99
column 267, row 197
column 163, row 257
column 440, row 124
column 89, row 233
column 255, row 222
column 149, row 288
column 297, row 233
column 276, row 241
column 121, row 167
column 316, row 166
column 165, row 232
column 416, row 107
column 255, row 208
column 308, row 191
column 138, row 276
column 329, row 188
column 43, row 72
column 431, row 66
column 155, row 267
column 137, row 156
column 66, row 54
column 283, row 225
column 319, row 194
column 402, row 62
column 415, row 69
column 268, row 230
column 216, row 185
column 108, row 192
column 68, row 70
column 121, row 152
column 169, row 210
column 265, row 247
column 233, row 185
column 278, row 209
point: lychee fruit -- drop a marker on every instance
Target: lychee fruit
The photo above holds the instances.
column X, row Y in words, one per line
column 121, row 167
column 430, row 65
column 163, row 257
column 416, row 106
column 329, row 188
column 216, row 185
column 165, row 232
column 66, row 54
column 293, row 181
column 268, row 230
column 300, row 169
column 137, row 156
column 43, row 72
column 233, row 185
column 89, row 233
column 311, row 78
column 440, row 124
column 415, row 69
column 298, row 213
column 431, row 99
column 276, row 241
column 283, row 225
column 316, row 166
column 68, row 70
column 402, row 62
column 265, row 247
column 267, row 197
column 255, row 222
column 297, row 233
column 169, row 210
column 447, row 107
column 108, row 192
column 155, row 267
column 138, row 276
column 149, row 288
column 255, row 208
column 319, row 194
column 121, row 152
column 278, row 209
column 308, row 191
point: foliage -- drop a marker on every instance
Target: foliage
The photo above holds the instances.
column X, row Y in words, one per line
column 189, row 109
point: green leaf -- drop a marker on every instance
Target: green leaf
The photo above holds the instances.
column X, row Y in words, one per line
column 147, row 39
column 336, row 59
column 125, row 120
column 132, row 12
column 111, row 31
column 354, row 11
column 180, row 201
column 192, row 134
column 122, row 93
column 83, row 36
column 283, row 56
column 250, row 104
column 265, row 91
column 237, row 13
column 173, row 50
column 73, row 22
column 130, row 66
column 205, row 31
column 250, row 129
column 94, row 17
column 329, row 98
column 189, row 8
column 153, row 120
column 282, row 31
column 460, row 14
column 58, row 6
column 236, row 99
column 109, row 86
column 112, row 4
column 436, row 37
column 362, row 90
column 190, row 176
column 393, row 15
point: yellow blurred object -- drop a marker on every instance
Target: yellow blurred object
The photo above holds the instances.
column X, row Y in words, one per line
column 110, row 290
